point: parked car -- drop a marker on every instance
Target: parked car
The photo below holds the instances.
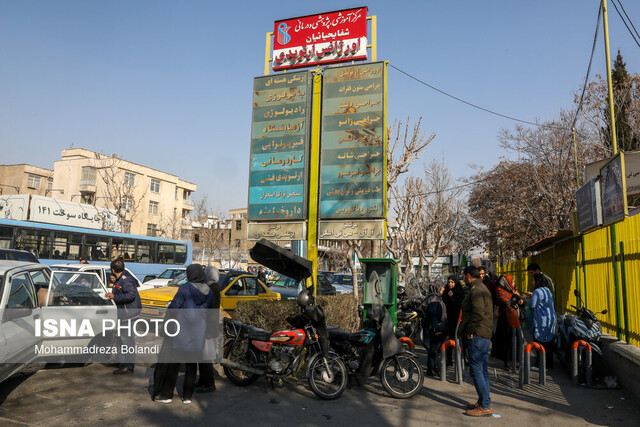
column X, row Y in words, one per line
column 289, row 288
column 103, row 272
column 235, row 286
column 163, row 278
column 17, row 255
column 343, row 283
column 31, row 292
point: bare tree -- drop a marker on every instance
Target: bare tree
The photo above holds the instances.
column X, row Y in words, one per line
column 119, row 189
column 171, row 225
column 213, row 235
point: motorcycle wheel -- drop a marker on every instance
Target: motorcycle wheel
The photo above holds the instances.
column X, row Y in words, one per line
column 237, row 376
column 402, row 376
column 325, row 387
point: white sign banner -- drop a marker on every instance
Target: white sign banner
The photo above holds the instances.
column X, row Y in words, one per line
column 631, row 167
column 61, row 212
column 14, row 207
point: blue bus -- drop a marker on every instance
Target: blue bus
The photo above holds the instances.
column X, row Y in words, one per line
column 58, row 244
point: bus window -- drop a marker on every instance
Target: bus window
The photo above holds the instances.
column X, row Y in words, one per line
column 128, row 250
column 143, row 253
column 35, row 241
column 165, row 253
column 97, row 248
column 66, row 245
column 6, row 236
column 181, row 254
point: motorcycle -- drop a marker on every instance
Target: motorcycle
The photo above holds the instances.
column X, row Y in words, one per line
column 375, row 350
column 583, row 325
column 250, row 352
column 410, row 312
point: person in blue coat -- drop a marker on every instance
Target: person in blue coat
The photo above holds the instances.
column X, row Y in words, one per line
column 544, row 317
column 434, row 328
column 189, row 305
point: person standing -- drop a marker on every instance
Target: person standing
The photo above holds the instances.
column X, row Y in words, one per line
column 452, row 298
column 125, row 294
column 544, row 318
column 508, row 299
column 434, row 327
column 475, row 327
column 207, row 382
column 538, row 276
column 189, row 305
column 261, row 275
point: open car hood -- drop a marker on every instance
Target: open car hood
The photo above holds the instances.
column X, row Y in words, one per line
column 281, row 260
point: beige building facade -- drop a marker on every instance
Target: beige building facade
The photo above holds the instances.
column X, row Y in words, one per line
column 27, row 179
column 238, row 218
column 147, row 201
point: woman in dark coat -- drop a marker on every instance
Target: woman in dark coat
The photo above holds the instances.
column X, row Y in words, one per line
column 452, row 298
column 434, row 329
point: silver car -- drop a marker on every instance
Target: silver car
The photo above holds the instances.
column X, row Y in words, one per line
column 32, row 298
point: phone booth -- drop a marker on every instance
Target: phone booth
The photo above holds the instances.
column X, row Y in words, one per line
column 386, row 274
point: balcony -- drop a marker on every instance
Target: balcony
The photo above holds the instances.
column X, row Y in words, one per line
column 87, row 185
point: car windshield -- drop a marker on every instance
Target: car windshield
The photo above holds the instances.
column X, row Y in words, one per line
column 169, row 274
column 179, row 280
column 284, row 281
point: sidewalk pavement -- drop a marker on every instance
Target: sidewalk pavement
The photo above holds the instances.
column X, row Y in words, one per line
column 91, row 395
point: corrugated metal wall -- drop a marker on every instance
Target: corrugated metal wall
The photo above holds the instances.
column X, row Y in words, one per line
column 563, row 263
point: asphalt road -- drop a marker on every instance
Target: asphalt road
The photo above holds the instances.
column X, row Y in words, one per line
column 91, row 395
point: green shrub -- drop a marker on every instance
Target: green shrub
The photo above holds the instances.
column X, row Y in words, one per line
column 341, row 311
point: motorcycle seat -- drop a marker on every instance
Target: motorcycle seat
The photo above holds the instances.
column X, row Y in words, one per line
column 257, row 334
column 337, row 334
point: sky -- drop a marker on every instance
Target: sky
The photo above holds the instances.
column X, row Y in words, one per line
column 169, row 84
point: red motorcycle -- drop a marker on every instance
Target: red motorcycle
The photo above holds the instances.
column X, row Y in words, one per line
column 251, row 352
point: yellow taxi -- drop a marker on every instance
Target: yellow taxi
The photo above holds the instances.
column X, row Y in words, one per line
column 234, row 285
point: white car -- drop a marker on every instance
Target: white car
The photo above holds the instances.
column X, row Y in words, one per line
column 164, row 278
column 103, row 272
column 32, row 297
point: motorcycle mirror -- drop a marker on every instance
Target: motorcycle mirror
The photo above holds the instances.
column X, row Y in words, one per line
column 576, row 292
column 604, row 311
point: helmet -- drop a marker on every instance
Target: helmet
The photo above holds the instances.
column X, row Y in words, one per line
column 304, row 298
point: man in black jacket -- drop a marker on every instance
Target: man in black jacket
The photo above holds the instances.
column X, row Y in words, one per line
column 125, row 294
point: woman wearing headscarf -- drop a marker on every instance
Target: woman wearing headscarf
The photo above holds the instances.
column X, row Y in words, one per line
column 206, row 383
column 544, row 317
column 506, row 296
column 189, row 304
column 452, row 298
column 434, row 328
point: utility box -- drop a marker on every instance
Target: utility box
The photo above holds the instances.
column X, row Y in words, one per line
column 387, row 275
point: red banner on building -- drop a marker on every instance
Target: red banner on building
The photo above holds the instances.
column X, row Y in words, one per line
column 326, row 38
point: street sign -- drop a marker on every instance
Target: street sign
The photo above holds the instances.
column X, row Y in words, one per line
column 320, row 39
column 279, row 147
column 353, row 142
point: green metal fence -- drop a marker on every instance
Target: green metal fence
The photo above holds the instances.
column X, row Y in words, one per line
column 607, row 278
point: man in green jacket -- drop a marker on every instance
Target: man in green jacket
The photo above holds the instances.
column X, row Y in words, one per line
column 476, row 327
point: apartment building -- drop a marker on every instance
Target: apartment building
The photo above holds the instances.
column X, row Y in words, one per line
column 148, row 201
column 26, row 179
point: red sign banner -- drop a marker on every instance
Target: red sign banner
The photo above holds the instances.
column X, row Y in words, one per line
column 327, row 38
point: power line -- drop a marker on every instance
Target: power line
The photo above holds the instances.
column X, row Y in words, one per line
column 586, row 77
column 474, row 105
column 625, row 23
column 629, row 19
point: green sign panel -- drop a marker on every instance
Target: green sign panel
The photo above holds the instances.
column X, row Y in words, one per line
column 279, row 147
column 353, row 146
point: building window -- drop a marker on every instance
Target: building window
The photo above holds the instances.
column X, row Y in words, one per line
column 49, row 183
column 34, row 182
column 196, row 238
column 237, row 242
column 127, row 203
column 129, row 179
column 88, row 176
column 152, row 230
column 238, row 225
column 176, row 193
column 126, row 226
column 153, row 208
column 155, row 185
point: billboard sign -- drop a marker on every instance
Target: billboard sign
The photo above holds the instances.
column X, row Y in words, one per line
column 631, row 168
column 62, row 212
column 353, row 143
column 588, row 203
column 613, row 191
column 279, row 147
column 326, row 38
